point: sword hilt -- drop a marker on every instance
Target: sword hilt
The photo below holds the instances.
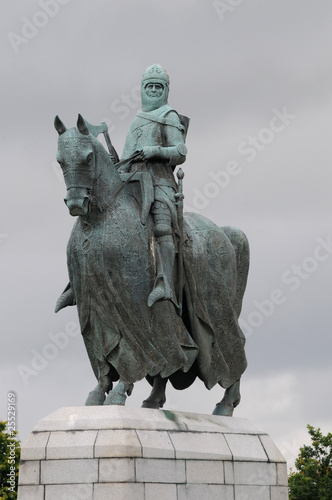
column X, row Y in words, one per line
column 179, row 195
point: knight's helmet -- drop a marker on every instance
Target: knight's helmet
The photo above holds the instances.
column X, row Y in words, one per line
column 154, row 74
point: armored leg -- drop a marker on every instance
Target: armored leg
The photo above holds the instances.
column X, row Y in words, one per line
column 165, row 254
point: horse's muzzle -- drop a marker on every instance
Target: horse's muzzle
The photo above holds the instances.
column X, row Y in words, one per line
column 78, row 206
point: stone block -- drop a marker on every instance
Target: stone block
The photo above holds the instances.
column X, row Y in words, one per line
column 282, row 475
column 71, row 444
column 246, row 447
column 200, row 445
column 118, row 443
column 255, row 473
column 30, row 493
column 69, row 492
column 69, row 471
column 124, row 417
column 156, row 444
column 205, row 471
column 206, row 491
column 119, row 491
column 154, row 470
column 155, row 491
column 116, row 470
column 34, row 447
column 252, row 492
column 106, row 417
column 29, row 472
column 197, row 422
column 229, row 472
column 279, row 493
column 271, row 449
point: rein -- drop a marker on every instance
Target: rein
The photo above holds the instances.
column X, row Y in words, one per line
column 126, row 160
column 117, row 166
column 129, row 178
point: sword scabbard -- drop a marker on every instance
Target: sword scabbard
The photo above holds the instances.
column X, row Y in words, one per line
column 179, row 206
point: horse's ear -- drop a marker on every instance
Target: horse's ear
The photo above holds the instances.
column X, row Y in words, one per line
column 59, row 126
column 81, row 125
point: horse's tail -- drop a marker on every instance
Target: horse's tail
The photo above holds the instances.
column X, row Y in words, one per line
column 241, row 247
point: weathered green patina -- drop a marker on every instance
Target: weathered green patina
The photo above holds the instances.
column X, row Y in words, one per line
column 157, row 134
column 126, row 251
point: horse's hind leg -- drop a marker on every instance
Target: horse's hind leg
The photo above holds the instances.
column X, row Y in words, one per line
column 119, row 394
column 230, row 401
column 157, row 397
column 97, row 396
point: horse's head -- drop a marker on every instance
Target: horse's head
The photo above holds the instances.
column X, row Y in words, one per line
column 76, row 156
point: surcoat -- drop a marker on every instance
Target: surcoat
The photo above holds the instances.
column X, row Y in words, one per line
column 161, row 127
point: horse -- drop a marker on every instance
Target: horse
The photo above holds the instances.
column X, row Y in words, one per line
column 112, row 264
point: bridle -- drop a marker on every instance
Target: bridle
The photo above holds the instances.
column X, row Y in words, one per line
column 89, row 186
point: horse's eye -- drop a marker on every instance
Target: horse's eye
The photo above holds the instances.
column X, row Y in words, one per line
column 88, row 159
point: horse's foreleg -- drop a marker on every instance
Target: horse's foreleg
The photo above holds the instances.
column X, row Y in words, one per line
column 97, row 396
column 230, row 401
column 119, row 394
column 157, row 397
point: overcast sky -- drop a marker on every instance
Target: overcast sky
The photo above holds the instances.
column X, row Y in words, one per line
column 255, row 77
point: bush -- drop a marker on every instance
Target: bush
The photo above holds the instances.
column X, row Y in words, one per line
column 313, row 479
column 9, row 462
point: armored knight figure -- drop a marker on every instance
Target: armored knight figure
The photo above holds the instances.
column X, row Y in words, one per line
column 157, row 136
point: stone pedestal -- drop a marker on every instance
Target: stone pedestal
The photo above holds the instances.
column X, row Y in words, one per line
column 121, row 453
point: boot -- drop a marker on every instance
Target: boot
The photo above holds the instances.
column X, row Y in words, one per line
column 163, row 284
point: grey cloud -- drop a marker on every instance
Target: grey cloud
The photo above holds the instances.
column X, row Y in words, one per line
column 228, row 77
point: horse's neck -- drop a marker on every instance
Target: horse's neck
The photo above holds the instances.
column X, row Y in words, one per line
column 108, row 180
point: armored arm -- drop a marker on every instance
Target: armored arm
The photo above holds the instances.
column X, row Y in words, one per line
column 174, row 151
column 174, row 155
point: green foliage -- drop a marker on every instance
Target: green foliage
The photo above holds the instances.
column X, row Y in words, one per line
column 9, row 462
column 313, row 479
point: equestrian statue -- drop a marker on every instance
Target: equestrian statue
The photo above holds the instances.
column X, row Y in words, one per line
column 158, row 291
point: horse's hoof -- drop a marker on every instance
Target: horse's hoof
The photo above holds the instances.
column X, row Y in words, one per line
column 224, row 410
column 154, row 405
column 95, row 398
column 115, row 398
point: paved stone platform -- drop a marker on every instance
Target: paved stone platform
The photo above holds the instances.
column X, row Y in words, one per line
column 121, row 453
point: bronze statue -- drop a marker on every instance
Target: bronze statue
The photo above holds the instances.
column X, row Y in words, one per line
column 158, row 292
